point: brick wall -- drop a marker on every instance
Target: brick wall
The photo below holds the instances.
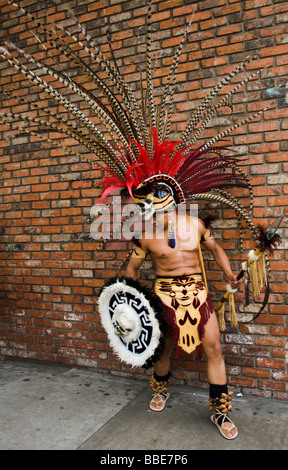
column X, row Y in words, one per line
column 51, row 270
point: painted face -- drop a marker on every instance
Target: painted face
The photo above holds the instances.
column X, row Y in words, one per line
column 146, row 208
column 147, row 205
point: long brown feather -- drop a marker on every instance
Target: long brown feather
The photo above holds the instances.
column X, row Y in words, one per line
column 149, row 66
column 197, row 115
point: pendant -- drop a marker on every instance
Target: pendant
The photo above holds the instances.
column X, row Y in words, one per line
column 171, row 235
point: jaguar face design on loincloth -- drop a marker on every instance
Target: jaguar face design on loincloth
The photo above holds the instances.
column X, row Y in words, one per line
column 189, row 299
column 183, row 291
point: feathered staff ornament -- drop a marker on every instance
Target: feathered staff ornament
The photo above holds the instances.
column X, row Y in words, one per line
column 266, row 241
column 130, row 143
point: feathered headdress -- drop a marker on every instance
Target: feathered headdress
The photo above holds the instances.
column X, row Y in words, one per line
column 129, row 151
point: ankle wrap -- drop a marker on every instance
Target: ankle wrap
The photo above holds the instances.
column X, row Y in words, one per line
column 220, row 398
column 221, row 404
column 160, row 385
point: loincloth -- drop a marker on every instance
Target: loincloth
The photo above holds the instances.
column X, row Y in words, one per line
column 192, row 305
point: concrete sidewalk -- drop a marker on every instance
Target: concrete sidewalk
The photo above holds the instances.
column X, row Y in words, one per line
column 46, row 407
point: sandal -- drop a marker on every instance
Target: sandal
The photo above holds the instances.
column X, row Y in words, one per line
column 160, row 388
column 223, row 428
column 222, row 406
column 158, row 401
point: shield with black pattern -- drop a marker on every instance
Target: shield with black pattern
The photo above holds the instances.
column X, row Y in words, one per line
column 134, row 319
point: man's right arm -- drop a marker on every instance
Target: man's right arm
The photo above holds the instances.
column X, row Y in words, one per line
column 137, row 258
column 133, row 267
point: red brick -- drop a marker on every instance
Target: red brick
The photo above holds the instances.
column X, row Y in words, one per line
column 271, row 385
column 255, row 372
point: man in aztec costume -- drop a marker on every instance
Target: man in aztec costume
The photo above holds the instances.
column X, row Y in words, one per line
column 181, row 285
column 132, row 145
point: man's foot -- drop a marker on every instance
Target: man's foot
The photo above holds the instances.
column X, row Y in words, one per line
column 225, row 425
column 158, row 401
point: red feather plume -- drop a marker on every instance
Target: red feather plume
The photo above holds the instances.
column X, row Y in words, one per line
column 165, row 159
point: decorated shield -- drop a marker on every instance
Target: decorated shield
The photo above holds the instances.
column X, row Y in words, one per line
column 133, row 317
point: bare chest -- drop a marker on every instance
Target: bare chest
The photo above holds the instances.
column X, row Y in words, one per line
column 185, row 241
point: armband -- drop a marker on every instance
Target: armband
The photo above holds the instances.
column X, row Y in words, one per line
column 138, row 253
column 206, row 236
